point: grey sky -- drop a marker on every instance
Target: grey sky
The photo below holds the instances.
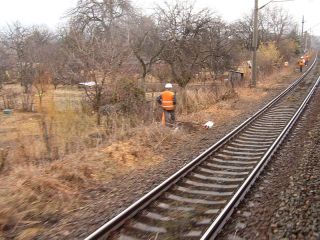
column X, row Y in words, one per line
column 49, row 12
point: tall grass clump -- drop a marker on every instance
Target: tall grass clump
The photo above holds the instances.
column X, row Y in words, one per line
column 71, row 129
column 124, row 106
column 194, row 100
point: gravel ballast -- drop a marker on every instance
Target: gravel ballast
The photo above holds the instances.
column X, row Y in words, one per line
column 285, row 201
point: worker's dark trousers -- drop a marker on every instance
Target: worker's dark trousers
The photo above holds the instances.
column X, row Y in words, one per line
column 300, row 68
column 170, row 117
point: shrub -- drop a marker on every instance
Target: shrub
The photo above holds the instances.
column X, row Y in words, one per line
column 9, row 99
column 123, row 95
column 288, row 48
column 268, row 57
column 27, row 102
column 124, row 104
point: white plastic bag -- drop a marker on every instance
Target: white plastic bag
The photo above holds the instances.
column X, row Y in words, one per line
column 208, row 124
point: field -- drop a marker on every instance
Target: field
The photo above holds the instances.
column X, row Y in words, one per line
column 51, row 157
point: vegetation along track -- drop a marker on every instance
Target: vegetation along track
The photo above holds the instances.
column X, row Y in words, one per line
column 195, row 202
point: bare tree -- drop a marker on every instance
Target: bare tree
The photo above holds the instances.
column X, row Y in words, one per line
column 101, row 16
column 38, row 50
column 181, row 28
column 6, row 64
column 59, row 63
column 16, row 39
column 276, row 28
column 98, row 43
column 218, row 48
column 275, row 24
column 146, row 44
column 30, row 47
column 242, row 31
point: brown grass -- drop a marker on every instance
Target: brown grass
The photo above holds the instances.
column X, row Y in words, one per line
column 224, row 110
column 195, row 100
column 30, row 196
column 33, row 194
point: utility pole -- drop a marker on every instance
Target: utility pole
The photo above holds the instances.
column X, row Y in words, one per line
column 302, row 39
column 254, row 45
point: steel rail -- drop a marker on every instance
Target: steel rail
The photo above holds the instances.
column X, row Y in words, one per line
column 226, row 212
column 141, row 203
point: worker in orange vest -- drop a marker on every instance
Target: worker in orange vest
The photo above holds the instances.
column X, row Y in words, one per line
column 306, row 59
column 301, row 63
column 167, row 100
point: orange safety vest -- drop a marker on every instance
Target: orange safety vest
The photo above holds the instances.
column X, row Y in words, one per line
column 167, row 98
column 301, row 62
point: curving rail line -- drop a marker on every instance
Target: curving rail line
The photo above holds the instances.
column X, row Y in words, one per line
column 195, row 202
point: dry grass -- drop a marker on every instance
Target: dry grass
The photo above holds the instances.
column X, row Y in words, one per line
column 20, row 135
column 33, row 194
column 220, row 113
column 155, row 137
column 72, row 131
column 195, row 100
column 224, row 110
column 29, row 196
column 35, row 190
column 273, row 80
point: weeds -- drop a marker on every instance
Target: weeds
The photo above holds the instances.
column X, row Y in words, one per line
column 194, row 100
column 3, row 158
column 29, row 195
column 9, row 99
column 27, row 102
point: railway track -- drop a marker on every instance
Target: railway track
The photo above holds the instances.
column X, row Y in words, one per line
column 195, row 202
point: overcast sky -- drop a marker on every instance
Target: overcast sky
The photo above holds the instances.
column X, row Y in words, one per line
column 50, row 12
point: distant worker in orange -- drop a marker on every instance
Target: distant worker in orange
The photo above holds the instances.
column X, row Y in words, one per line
column 306, row 59
column 167, row 100
column 301, row 63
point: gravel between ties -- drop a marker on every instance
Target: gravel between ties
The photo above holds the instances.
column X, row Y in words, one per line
column 285, row 202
